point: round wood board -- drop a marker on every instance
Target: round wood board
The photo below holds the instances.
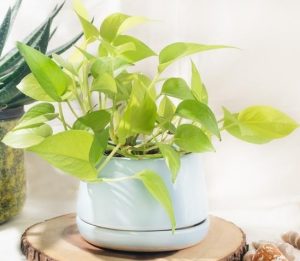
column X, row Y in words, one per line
column 58, row 239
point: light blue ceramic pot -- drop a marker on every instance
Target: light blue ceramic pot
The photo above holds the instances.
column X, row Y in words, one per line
column 124, row 216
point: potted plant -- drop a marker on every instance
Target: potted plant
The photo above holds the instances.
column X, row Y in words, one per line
column 12, row 69
column 136, row 141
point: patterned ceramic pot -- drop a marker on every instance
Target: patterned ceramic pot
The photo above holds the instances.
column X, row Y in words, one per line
column 12, row 174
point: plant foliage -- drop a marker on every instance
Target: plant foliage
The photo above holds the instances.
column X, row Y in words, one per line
column 124, row 112
column 13, row 67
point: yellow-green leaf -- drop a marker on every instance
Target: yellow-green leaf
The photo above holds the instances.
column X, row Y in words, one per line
column 118, row 23
column 192, row 139
column 25, row 138
column 198, row 88
column 105, row 83
column 37, row 116
column 31, row 88
column 69, row 152
column 259, row 124
column 140, row 114
column 49, row 75
column 157, row 188
column 172, row 158
column 175, row 51
column 178, row 88
column 199, row 112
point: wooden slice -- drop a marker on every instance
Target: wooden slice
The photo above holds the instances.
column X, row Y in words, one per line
column 58, row 239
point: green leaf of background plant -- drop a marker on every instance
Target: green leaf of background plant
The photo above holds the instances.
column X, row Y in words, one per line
column 96, row 120
column 259, row 124
column 199, row 112
column 51, row 78
column 172, row 158
column 141, row 51
column 192, row 139
column 175, row 51
column 118, row 23
column 105, row 83
column 178, row 88
column 25, row 138
column 69, row 152
column 157, row 188
column 198, row 88
column 4, row 29
column 37, row 116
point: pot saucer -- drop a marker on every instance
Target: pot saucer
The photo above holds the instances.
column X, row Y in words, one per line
column 143, row 241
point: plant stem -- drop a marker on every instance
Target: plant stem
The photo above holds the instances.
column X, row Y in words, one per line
column 62, row 116
column 77, row 95
column 108, row 158
column 108, row 180
column 72, row 110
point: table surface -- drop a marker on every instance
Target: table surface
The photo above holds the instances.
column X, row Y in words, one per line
column 51, row 194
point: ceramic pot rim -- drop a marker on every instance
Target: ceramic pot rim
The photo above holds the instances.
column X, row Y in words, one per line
column 11, row 113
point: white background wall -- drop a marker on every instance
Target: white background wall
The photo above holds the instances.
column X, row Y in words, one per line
column 265, row 70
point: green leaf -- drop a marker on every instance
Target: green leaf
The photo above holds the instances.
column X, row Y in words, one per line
column 118, row 23
column 140, row 52
column 96, row 120
column 14, row 56
column 198, row 88
column 175, row 51
column 91, row 33
column 140, row 114
column 69, row 152
column 199, row 112
column 31, row 87
column 259, row 124
column 51, row 78
column 122, row 48
column 172, row 158
column 178, row 88
column 26, row 138
column 157, row 188
column 4, row 29
column 166, row 108
column 101, row 66
column 98, row 146
column 192, row 139
column 80, row 9
column 65, row 64
column 37, row 116
column 105, row 83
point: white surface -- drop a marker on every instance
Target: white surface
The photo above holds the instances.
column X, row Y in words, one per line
column 255, row 186
column 128, row 206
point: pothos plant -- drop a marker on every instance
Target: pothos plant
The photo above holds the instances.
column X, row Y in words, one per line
column 124, row 112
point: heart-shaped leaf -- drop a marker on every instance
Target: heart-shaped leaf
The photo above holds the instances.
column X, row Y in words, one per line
column 172, row 158
column 69, row 151
column 192, row 139
column 157, row 188
column 199, row 112
column 178, row 88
